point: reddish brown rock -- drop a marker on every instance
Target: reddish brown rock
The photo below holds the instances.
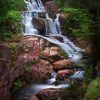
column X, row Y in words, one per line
column 62, row 64
column 62, row 18
column 52, row 54
column 46, row 52
column 43, row 43
column 51, row 51
column 54, row 51
column 29, row 45
column 34, row 97
column 50, row 94
column 50, row 6
column 62, row 73
column 41, row 70
column 13, row 59
column 30, row 96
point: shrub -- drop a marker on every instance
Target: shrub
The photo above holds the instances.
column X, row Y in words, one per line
column 78, row 22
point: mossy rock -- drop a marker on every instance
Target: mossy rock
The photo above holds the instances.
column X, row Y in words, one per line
column 93, row 91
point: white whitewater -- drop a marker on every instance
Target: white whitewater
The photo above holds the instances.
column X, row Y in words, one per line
column 40, row 87
column 54, row 25
column 50, row 24
column 52, row 79
column 27, row 22
column 33, row 7
column 77, row 75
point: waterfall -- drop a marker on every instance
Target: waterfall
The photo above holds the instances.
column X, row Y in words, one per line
column 35, row 6
column 27, row 22
column 50, row 23
column 54, row 25
column 52, row 30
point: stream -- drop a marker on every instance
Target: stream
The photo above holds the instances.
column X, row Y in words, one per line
column 74, row 53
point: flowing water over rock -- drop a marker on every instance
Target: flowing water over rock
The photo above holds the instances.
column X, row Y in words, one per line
column 34, row 7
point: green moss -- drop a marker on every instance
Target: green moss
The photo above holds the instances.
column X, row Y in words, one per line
column 12, row 53
column 26, row 67
column 63, row 54
column 17, row 85
column 33, row 62
column 93, row 91
column 11, row 46
column 74, row 92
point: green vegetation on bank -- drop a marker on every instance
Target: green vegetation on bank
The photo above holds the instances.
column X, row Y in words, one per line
column 10, row 19
column 93, row 91
column 78, row 22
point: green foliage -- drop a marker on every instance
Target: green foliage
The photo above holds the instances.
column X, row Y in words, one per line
column 13, row 21
column 89, row 71
column 33, row 62
column 12, row 53
column 26, row 68
column 59, row 3
column 73, row 92
column 63, row 54
column 10, row 20
column 17, row 85
column 78, row 22
column 93, row 91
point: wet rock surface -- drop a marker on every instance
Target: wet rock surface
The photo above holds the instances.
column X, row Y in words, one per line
column 50, row 6
column 40, row 71
column 34, row 59
column 50, row 94
column 63, row 64
column 34, row 97
column 65, row 72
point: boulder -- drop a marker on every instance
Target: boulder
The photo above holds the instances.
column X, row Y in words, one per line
column 62, row 64
column 50, row 6
column 40, row 71
column 46, row 52
column 62, row 18
column 63, row 73
column 51, row 51
column 38, row 23
column 43, row 43
column 54, row 51
column 34, row 97
column 29, row 45
column 50, row 94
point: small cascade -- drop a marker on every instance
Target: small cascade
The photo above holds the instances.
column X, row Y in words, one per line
column 50, row 23
column 27, row 22
column 52, row 79
column 54, row 25
column 34, row 6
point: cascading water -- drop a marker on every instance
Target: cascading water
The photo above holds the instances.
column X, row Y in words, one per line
column 28, row 27
column 33, row 8
column 54, row 25
column 50, row 23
